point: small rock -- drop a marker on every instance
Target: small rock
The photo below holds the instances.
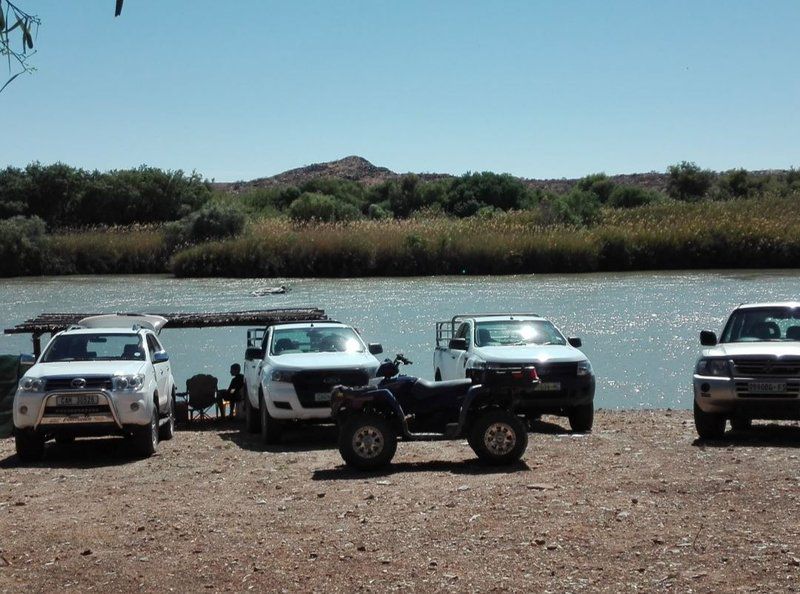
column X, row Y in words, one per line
column 794, row 561
column 383, row 482
column 86, row 552
column 320, row 495
column 539, row 541
column 463, row 488
column 19, row 503
column 361, row 548
column 551, row 547
column 540, row 486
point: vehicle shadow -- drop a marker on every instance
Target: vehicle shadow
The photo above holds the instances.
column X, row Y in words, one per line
column 82, row 453
column 466, row 467
column 759, row 435
column 303, row 438
column 547, row 426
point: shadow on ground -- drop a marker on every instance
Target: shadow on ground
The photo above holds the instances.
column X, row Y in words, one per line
column 82, row 453
column 295, row 438
column 767, row 435
column 472, row 466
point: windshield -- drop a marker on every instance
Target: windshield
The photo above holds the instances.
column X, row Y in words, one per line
column 315, row 340
column 95, row 347
column 763, row 324
column 517, row 332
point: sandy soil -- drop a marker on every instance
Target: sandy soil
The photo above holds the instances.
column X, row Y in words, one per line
column 638, row 505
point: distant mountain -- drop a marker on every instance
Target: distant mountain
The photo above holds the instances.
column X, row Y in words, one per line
column 360, row 170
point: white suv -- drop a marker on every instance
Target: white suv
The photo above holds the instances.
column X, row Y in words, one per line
column 109, row 375
column 290, row 377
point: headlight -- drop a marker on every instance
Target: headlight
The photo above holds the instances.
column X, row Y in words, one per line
column 280, row 375
column 713, row 367
column 584, row 368
column 31, row 384
column 476, row 365
column 127, row 383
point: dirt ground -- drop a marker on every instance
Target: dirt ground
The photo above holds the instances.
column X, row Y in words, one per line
column 638, row 505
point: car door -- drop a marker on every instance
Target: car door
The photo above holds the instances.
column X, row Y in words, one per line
column 162, row 370
column 454, row 360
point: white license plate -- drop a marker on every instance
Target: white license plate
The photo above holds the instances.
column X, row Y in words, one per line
column 322, row 397
column 766, row 387
column 77, row 400
column 548, row 386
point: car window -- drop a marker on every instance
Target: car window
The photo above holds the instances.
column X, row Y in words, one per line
column 94, row 347
column 763, row 324
column 152, row 345
column 517, row 332
column 315, row 340
column 463, row 332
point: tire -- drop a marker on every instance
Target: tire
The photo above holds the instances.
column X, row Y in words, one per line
column 271, row 428
column 145, row 439
column 167, row 430
column 65, row 439
column 30, row 447
column 252, row 422
column 367, row 441
column 708, row 425
column 581, row 418
column 498, row 437
column 741, row 423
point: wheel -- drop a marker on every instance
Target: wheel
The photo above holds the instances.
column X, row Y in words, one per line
column 145, row 439
column 581, row 418
column 167, row 430
column 65, row 439
column 708, row 425
column 30, row 446
column 438, row 376
column 741, row 423
column 271, row 429
column 498, row 437
column 252, row 422
column 367, row 441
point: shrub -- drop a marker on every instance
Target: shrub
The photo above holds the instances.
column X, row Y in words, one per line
column 599, row 184
column 577, row 208
column 213, row 221
column 321, row 207
column 631, row 196
column 23, row 246
column 687, row 182
column 472, row 191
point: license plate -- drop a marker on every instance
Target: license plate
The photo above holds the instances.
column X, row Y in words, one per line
column 322, row 397
column 766, row 387
column 77, row 400
column 548, row 386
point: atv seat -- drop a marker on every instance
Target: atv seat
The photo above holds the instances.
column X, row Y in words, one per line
column 425, row 389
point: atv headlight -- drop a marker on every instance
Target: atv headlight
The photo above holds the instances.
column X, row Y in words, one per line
column 32, row 384
column 127, row 383
column 584, row 368
column 713, row 367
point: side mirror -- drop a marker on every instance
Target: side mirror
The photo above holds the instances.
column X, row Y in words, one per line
column 375, row 348
column 253, row 353
column 458, row 344
column 160, row 357
column 575, row 341
column 708, row 338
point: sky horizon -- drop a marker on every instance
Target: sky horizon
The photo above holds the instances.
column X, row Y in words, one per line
column 538, row 89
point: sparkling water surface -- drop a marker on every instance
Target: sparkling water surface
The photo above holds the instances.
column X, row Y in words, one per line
column 640, row 330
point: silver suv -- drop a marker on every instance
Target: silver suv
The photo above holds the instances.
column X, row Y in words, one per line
column 751, row 372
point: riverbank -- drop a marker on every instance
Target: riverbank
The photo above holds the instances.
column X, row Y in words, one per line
column 638, row 504
column 753, row 233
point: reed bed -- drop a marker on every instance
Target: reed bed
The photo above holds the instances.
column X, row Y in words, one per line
column 117, row 250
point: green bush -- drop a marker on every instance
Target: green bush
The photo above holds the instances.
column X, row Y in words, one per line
column 599, row 184
column 321, row 207
column 687, row 182
column 577, row 208
column 631, row 196
column 472, row 191
column 23, row 246
column 213, row 221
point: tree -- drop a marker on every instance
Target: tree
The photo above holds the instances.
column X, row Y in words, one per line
column 25, row 28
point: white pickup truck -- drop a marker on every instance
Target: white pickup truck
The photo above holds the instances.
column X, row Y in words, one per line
column 291, row 367
column 108, row 375
column 468, row 344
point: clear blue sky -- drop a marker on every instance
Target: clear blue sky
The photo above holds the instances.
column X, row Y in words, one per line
column 249, row 88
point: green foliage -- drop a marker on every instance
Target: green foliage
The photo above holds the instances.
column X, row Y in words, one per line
column 22, row 246
column 631, row 196
column 599, row 184
column 213, row 221
column 687, row 182
column 577, row 208
column 322, row 207
column 472, row 191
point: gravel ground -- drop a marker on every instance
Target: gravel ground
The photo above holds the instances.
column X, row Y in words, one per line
column 638, row 505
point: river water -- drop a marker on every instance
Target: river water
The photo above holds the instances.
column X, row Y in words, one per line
column 640, row 330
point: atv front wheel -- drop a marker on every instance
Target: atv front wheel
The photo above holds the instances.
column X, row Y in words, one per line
column 367, row 441
column 498, row 437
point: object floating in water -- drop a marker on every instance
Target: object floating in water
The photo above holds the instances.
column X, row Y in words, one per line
column 262, row 291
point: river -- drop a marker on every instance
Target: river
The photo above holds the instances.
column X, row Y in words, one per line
column 640, row 330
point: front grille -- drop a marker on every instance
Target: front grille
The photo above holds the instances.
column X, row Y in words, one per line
column 65, row 383
column 62, row 411
column 308, row 384
column 556, row 370
column 792, row 391
column 766, row 368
